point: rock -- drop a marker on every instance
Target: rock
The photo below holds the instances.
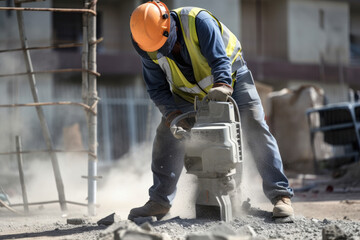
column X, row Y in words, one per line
column 246, row 205
column 147, row 226
column 333, row 232
column 223, row 229
column 314, row 220
column 204, row 236
column 139, row 234
column 326, row 221
column 108, row 233
column 108, row 220
column 75, row 221
column 141, row 220
column 127, row 230
column 246, row 231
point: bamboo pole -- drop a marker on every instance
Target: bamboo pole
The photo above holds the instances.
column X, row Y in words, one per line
column 48, row 202
column 63, row 45
column 86, row 107
column 2, row 203
column 21, row 173
column 69, row 10
column 84, row 59
column 67, row 70
column 47, row 151
column 92, row 98
column 40, row 113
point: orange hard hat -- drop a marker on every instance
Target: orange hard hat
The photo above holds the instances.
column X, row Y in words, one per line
column 150, row 25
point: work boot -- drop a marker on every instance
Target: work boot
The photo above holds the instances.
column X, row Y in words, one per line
column 150, row 209
column 283, row 208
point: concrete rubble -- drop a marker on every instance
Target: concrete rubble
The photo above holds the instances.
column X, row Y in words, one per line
column 110, row 219
column 256, row 225
column 76, row 221
column 333, row 232
column 127, row 230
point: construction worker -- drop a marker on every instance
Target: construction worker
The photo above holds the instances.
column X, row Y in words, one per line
column 185, row 53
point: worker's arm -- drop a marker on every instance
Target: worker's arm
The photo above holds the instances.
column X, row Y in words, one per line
column 158, row 87
column 213, row 48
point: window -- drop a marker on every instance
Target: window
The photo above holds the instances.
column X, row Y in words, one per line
column 67, row 28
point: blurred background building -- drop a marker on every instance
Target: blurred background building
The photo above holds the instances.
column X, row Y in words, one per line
column 286, row 43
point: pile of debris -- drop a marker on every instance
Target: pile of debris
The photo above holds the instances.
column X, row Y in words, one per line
column 256, row 225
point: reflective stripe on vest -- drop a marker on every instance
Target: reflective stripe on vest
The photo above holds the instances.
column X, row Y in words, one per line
column 201, row 69
column 233, row 46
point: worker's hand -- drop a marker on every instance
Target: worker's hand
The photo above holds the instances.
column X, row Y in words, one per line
column 220, row 92
column 182, row 126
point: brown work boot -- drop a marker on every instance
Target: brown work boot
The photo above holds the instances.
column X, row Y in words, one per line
column 150, row 208
column 283, row 208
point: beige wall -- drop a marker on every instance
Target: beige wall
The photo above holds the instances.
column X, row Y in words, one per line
column 264, row 28
column 309, row 42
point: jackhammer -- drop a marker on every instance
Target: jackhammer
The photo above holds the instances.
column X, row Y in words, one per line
column 213, row 152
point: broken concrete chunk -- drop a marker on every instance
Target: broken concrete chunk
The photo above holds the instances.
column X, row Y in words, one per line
column 333, row 232
column 246, row 231
column 108, row 233
column 127, row 230
column 75, row 221
column 246, row 205
column 141, row 220
column 223, row 229
column 139, row 234
column 108, row 220
column 147, row 226
column 199, row 236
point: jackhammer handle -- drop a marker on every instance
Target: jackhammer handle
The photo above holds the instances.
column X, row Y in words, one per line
column 230, row 99
column 237, row 111
column 179, row 131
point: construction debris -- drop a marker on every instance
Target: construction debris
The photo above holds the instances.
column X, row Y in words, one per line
column 76, row 221
column 130, row 231
column 108, row 220
column 333, row 232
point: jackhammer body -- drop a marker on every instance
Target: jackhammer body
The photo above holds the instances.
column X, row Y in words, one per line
column 213, row 152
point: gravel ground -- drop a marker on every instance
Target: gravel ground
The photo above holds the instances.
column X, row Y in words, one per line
column 315, row 209
column 255, row 223
column 260, row 223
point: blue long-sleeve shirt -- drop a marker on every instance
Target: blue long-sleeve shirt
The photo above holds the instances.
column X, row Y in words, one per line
column 212, row 48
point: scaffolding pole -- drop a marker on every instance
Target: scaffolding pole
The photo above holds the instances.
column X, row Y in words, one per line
column 39, row 110
column 90, row 89
column 21, row 174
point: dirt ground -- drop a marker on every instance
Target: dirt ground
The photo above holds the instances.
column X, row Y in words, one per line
column 314, row 209
column 319, row 202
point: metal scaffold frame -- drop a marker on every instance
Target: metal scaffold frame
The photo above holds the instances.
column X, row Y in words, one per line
column 89, row 97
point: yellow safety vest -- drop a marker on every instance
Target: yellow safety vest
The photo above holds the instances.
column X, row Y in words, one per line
column 202, row 72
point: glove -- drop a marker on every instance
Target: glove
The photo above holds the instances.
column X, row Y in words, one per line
column 220, row 92
column 182, row 126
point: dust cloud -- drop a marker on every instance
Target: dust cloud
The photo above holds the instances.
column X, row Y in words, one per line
column 124, row 184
